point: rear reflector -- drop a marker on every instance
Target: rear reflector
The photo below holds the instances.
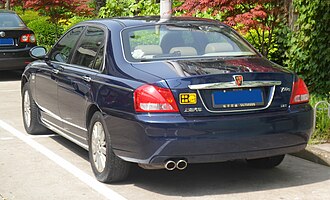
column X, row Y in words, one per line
column 300, row 92
column 149, row 98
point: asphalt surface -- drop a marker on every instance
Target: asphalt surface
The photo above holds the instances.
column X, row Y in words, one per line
column 51, row 167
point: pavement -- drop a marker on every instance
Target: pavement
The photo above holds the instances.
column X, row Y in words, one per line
column 319, row 153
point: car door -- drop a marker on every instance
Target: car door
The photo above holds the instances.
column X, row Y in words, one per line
column 75, row 82
column 46, row 78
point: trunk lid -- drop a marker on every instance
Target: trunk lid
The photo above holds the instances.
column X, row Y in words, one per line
column 11, row 40
column 224, row 86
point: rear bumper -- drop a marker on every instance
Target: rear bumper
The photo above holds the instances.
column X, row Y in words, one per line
column 153, row 139
column 15, row 59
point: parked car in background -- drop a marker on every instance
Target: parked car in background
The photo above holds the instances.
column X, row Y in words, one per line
column 16, row 40
column 164, row 94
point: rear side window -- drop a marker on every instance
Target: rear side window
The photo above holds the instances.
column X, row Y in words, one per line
column 63, row 49
column 89, row 52
column 10, row 20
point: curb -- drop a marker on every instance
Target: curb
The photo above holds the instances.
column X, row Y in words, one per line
column 315, row 155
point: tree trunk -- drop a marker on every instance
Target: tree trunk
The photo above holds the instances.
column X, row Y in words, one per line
column 99, row 4
column 7, row 4
column 291, row 14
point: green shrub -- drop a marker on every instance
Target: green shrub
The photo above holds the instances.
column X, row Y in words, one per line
column 309, row 45
column 45, row 31
column 73, row 21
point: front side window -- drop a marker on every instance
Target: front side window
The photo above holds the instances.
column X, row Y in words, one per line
column 89, row 52
column 62, row 51
column 180, row 41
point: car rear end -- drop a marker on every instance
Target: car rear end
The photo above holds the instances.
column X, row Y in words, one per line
column 210, row 106
column 16, row 40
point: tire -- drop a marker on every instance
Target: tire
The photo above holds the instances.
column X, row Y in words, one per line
column 107, row 167
column 31, row 115
column 266, row 163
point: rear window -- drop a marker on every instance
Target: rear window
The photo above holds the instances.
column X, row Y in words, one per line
column 176, row 41
column 10, row 20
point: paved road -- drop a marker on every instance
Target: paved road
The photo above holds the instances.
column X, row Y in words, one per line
column 50, row 167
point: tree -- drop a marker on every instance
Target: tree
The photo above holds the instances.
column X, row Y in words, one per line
column 256, row 18
column 59, row 10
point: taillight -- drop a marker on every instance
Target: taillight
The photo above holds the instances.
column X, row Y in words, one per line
column 28, row 38
column 300, row 92
column 149, row 98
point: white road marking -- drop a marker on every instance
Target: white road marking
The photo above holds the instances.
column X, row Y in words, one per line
column 43, row 136
column 7, row 138
column 10, row 90
column 85, row 178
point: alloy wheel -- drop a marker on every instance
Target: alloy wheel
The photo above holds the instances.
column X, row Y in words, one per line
column 27, row 109
column 99, row 147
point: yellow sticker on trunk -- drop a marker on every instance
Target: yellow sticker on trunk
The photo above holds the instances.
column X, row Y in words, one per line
column 188, row 98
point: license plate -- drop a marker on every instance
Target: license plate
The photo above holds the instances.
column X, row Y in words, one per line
column 238, row 98
column 6, row 41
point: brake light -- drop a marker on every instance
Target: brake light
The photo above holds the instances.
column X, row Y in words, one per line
column 300, row 92
column 28, row 38
column 149, row 98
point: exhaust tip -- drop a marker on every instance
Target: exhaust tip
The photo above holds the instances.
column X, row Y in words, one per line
column 181, row 165
column 170, row 165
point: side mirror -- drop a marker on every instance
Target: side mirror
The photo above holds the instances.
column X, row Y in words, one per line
column 38, row 52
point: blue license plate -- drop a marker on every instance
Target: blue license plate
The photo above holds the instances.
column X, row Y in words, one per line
column 238, row 98
column 6, row 41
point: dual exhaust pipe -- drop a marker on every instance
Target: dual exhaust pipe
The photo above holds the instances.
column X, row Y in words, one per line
column 180, row 165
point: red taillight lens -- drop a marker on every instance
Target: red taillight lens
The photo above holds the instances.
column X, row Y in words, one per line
column 28, row 38
column 300, row 92
column 149, row 98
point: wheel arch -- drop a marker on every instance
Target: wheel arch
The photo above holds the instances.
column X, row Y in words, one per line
column 24, row 80
column 90, row 112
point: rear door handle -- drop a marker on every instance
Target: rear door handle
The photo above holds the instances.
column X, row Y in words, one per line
column 86, row 78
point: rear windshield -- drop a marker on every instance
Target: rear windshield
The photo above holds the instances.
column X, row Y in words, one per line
column 173, row 41
column 10, row 20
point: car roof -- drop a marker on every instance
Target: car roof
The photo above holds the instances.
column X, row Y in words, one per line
column 7, row 11
column 151, row 20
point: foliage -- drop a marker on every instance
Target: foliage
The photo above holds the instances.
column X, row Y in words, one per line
column 116, row 8
column 74, row 20
column 28, row 15
column 45, row 31
column 322, row 131
column 309, row 45
column 257, row 18
column 56, row 11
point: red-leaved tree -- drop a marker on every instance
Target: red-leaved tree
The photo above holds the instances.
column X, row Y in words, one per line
column 59, row 10
column 257, row 18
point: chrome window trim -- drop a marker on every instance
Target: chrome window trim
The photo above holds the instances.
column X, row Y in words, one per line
column 271, row 96
column 232, row 85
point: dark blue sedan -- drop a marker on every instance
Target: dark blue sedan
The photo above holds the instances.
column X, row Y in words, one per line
column 164, row 94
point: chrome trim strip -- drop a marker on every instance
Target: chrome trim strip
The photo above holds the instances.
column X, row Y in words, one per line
column 270, row 99
column 49, row 113
column 56, row 129
column 232, row 84
column 113, row 85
